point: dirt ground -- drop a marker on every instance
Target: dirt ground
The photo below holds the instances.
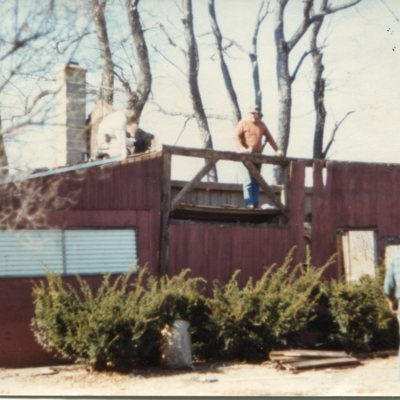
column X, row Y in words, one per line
column 375, row 377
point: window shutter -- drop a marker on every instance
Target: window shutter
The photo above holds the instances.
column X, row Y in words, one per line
column 30, row 252
column 91, row 251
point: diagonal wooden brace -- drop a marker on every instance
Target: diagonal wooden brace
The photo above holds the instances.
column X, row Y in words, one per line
column 264, row 185
column 190, row 185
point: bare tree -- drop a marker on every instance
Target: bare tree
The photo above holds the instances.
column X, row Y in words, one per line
column 3, row 155
column 328, row 146
column 319, row 82
column 224, row 67
column 261, row 15
column 138, row 98
column 319, row 86
column 106, row 91
column 26, row 33
column 284, row 47
column 193, row 70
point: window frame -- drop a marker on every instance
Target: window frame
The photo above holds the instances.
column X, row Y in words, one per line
column 65, row 271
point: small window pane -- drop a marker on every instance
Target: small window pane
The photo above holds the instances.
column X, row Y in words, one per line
column 30, row 252
column 90, row 251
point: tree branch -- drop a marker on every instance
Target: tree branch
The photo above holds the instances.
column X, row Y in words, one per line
column 106, row 92
column 168, row 60
column 124, row 82
column 183, row 129
column 333, row 134
column 169, row 39
column 224, row 67
column 308, row 4
column 296, row 70
column 139, row 98
column 262, row 14
column 331, row 10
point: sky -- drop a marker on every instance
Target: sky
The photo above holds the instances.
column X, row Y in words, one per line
column 362, row 64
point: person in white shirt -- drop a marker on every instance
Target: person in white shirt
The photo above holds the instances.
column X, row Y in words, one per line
column 111, row 135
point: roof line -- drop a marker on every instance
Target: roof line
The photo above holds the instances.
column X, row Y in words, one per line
column 85, row 165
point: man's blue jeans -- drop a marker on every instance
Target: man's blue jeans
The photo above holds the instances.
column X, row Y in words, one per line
column 251, row 188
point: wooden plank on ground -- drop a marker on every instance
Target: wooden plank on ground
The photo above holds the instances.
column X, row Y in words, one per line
column 320, row 363
column 306, row 354
column 377, row 354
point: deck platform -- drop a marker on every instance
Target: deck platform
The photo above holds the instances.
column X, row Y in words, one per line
column 226, row 213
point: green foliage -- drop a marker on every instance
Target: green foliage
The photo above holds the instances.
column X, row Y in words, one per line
column 362, row 320
column 106, row 328
column 119, row 325
column 180, row 297
column 56, row 306
column 268, row 314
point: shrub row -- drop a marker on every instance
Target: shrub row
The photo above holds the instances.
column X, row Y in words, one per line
column 118, row 325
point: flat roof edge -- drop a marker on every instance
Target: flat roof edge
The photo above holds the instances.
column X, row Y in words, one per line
column 82, row 166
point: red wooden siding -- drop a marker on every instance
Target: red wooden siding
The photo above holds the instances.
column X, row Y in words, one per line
column 128, row 194
column 18, row 347
column 124, row 195
column 356, row 195
column 215, row 251
column 113, row 195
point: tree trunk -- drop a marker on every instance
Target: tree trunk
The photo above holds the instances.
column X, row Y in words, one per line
column 224, row 68
column 255, row 74
column 193, row 70
column 319, row 92
column 139, row 97
column 284, row 79
column 106, row 92
column 262, row 14
column 284, row 86
column 3, row 157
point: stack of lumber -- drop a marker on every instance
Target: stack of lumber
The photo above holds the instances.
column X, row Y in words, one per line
column 298, row 360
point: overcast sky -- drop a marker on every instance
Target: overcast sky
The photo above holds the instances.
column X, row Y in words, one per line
column 362, row 64
column 361, row 57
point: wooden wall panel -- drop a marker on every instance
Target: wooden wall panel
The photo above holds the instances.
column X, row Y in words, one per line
column 18, row 347
column 215, row 251
column 356, row 195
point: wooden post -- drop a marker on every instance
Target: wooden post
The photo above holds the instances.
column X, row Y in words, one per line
column 264, row 185
column 287, row 170
column 190, row 185
column 165, row 211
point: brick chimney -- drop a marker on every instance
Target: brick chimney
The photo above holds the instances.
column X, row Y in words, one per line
column 72, row 144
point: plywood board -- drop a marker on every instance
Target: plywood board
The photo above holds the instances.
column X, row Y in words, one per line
column 359, row 253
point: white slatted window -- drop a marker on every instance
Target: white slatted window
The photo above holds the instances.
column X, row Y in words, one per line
column 89, row 251
column 30, row 252
column 76, row 251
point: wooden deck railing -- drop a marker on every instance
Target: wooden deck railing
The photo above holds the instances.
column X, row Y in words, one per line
column 170, row 203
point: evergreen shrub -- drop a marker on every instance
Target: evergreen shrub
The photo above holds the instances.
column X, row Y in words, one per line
column 181, row 297
column 267, row 314
column 119, row 325
column 107, row 328
column 362, row 319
